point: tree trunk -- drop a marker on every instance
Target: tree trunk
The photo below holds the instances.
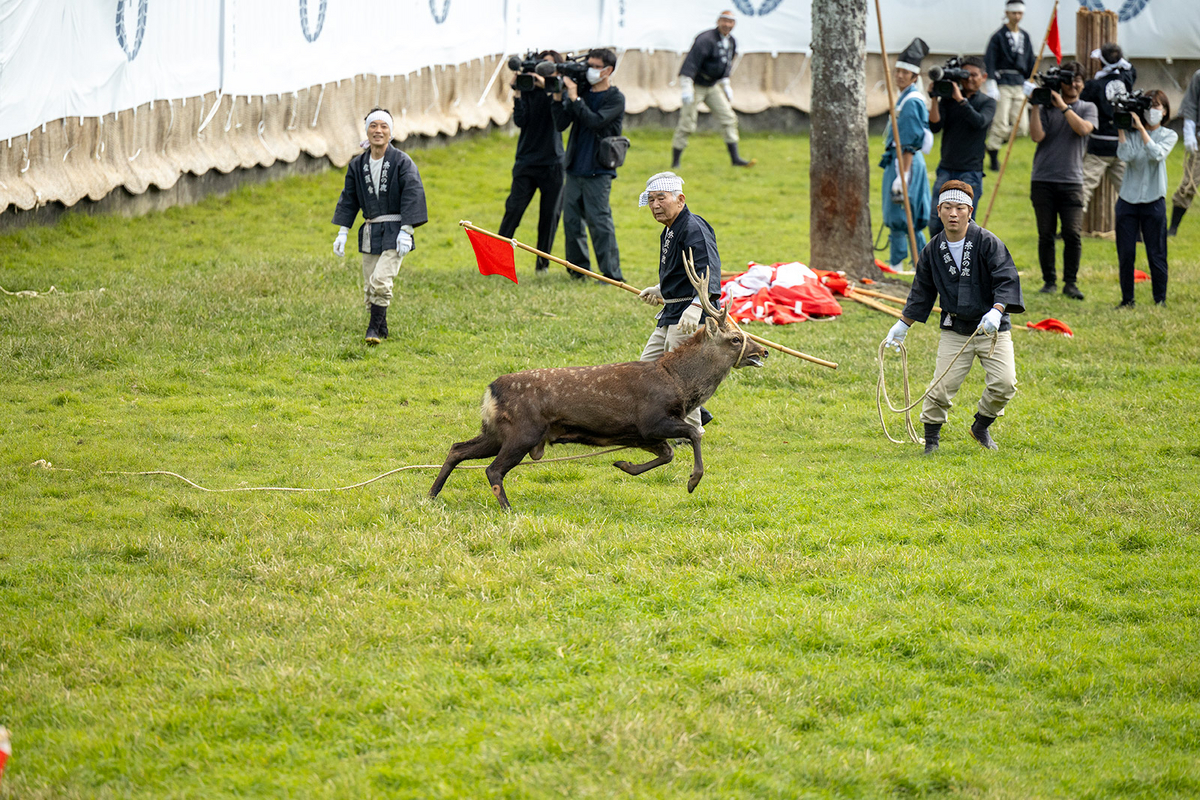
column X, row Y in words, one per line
column 840, row 168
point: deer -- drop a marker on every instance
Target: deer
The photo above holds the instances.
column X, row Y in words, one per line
column 638, row 404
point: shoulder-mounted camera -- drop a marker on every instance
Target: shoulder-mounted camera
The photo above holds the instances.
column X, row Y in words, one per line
column 945, row 77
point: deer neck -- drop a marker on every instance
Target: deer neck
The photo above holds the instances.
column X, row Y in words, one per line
column 697, row 372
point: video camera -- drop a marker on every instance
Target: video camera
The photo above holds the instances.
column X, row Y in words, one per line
column 945, row 77
column 1051, row 80
column 573, row 68
column 1126, row 105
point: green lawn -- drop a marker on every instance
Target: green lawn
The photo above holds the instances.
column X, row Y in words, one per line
column 828, row 615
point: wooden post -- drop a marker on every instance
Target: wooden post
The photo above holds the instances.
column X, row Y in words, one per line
column 1092, row 29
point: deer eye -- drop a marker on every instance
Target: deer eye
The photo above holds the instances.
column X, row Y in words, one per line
column 737, row 340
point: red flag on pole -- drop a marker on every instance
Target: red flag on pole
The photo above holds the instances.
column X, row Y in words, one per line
column 1052, row 39
column 494, row 256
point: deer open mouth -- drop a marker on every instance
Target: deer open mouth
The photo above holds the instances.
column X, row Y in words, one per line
column 755, row 360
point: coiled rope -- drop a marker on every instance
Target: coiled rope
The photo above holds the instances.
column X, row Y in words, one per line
column 42, row 463
column 881, row 395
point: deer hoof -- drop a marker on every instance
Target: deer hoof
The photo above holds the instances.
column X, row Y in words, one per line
column 624, row 466
column 694, row 481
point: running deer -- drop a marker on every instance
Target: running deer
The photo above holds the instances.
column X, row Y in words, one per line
column 636, row 404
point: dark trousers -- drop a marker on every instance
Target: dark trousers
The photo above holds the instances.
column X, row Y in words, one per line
column 544, row 178
column 585, row 208
column 974, row 179
column 1053, row 202
column 1151, row 220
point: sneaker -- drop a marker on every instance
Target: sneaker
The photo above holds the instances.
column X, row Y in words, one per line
column 1072, row 291
column 1049, row 288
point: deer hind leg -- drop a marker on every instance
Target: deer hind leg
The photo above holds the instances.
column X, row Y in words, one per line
column 482, row 446
column 663, row 450
column 511, row 453
column 677, row 428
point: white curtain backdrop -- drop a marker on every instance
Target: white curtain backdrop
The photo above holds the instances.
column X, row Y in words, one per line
column 88, row 58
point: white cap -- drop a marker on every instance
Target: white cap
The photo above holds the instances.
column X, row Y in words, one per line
column 662, row 182
column 955, row 196
column 379, row 114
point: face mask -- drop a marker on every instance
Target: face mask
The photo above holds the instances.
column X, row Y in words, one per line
column 593, row 76
column 1154, row 116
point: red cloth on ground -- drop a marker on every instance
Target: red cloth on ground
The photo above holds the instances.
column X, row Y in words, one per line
column 781, row 294
column 1139, row 276
column 1052, row 325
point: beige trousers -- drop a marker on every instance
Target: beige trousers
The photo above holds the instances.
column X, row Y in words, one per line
column 999, row 371
column 1189, row 181
column 378, row 274
column 1094, row 170
column 1007, row 108
column 718, row 103
column 665, row 339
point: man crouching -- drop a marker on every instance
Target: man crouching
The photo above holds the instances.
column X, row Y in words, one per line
column 972, row 273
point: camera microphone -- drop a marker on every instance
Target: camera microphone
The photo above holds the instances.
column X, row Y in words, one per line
column 545, row 68
column 935, row 73
column 514, row 63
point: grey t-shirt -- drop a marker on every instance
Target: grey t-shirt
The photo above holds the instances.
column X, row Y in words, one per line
column 1059, row 156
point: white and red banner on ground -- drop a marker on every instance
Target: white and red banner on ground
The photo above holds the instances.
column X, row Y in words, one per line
column 87, row 58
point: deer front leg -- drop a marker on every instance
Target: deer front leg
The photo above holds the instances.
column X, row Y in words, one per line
column 482, row 446
column 698, row 464
column 677, row 428
column 663, row 450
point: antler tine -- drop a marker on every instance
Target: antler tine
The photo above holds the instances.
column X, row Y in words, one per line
column 689, row 266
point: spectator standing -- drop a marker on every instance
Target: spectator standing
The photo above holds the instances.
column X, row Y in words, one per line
column 1009, row 61
column 1190, row 113
column 704, row 78
column 1101, row 157
column 963, row 119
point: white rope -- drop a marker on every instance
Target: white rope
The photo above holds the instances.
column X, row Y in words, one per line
column 42, row 463
column 51, row 290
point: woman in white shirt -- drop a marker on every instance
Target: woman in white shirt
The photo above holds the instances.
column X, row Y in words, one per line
column 1141, row 204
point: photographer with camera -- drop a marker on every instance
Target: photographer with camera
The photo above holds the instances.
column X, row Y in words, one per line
column 963, row 114
column 1142, row 203
column 906, row 163
column 594, row 111
column 1060, row 124
column 1189, row 112
column 1114, row 79
column 539, row 162
column 1009, row 59
column 704, row 78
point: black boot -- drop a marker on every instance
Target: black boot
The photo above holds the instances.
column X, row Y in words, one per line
column 383, row 321
column 738, row 161
column 1176, row 217
column 373, row 336
column 933, row 434
column 994, row 160
column 979, row 432
column 676, row 154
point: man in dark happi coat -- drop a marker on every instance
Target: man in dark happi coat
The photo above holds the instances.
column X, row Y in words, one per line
column 971, row 271
column 382, row 183
column 683, row 233
column 1009, row 61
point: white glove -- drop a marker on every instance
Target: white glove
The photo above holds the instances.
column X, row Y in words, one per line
column 1189, row 135
column 1027, row 87
column 690, row 321
column 896, row 335
column 651, row 295
column 991, row 89
column 687, row 90
column 726, row 87
column 339, row 244
column 404, row 241
column 897, row 190
column 991, row 321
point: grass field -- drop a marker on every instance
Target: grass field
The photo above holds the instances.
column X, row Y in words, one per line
column 828, row 615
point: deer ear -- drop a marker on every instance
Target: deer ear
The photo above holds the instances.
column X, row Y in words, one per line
column 711, row 327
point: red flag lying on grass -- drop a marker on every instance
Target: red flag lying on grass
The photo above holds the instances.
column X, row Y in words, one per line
column 5, row 748
column 1139, row 276
column 494, row 256
column 1052, row 325
column 1052, row 39
column 884, row 267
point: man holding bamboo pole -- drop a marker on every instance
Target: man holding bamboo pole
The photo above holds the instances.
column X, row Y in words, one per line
column 904, row 158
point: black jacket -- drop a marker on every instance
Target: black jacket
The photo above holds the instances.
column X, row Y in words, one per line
column 965, row 129
column 707, row 62
column 1103, row 141
column 400, row 192
column 540, row 142
column 605, row 121
column 1003, row 65
column 689, row 232
column 986, row 276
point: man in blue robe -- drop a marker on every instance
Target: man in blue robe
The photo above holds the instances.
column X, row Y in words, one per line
column 915, row 138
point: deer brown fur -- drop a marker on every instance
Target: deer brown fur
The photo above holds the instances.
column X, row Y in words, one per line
column 636, row 404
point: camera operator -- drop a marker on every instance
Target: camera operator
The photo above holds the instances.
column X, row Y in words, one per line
column 539, row 163
column 1101, row 155
column 1189, row 112
column 704, row 77
column 1060, row 129
column 1142, row 204
column 593, row 112
column 964, row 118
column 1009, row 59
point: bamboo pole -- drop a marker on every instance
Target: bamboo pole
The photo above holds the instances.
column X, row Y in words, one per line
column 887, row 77
column 765, row 342
column 1012, row 137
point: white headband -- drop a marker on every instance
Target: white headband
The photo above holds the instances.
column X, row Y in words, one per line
column 662, row 182
column 379, row 114
column 1016, row 6
column 955, row 196
column 728, row 15
column 909, row 67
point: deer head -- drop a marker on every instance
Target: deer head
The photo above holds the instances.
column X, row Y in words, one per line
column 718, row 326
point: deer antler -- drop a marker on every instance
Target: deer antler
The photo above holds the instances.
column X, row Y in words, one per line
column 689, row 266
